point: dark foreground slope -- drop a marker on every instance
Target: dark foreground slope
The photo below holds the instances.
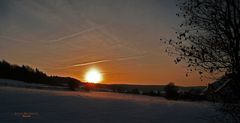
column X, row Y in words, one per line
column 43, row 106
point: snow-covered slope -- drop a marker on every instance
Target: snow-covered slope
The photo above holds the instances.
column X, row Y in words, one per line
column 45, row 106
column 15, row 83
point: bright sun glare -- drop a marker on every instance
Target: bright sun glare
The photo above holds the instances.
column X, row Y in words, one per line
column 93, row 76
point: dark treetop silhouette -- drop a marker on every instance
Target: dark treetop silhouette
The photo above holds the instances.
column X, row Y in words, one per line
column 209, row 41
column 29, row 75
column 210, row 35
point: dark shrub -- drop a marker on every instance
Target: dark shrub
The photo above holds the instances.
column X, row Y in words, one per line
column 171, row 91
column 73, row 85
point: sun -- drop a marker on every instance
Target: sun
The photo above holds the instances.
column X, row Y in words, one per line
column 93, row 76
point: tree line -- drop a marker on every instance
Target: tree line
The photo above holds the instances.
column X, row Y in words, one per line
column 30, row 75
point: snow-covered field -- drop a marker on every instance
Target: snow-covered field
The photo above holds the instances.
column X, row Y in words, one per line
column 48, row 106
column 21, row 84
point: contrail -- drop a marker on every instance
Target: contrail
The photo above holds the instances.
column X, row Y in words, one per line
column 13, row 39
column 90, row 63
column 75, row 34
column 106, row 60
column 58, row 39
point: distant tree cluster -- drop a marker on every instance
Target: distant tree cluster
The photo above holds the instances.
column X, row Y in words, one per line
column 30, row 75
column 171, row 91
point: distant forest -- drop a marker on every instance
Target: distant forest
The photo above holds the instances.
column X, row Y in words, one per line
column 30, row 75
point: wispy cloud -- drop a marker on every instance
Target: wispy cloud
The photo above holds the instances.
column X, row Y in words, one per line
column 90, row 63
column 13, row 39
column 105, row 60
column 75, row 34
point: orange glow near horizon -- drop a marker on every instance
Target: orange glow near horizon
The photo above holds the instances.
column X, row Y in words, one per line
column 88, row 41
column 93, row 76
column 113, row 73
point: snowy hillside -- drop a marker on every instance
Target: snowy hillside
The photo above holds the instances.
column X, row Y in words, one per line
column 45, row 106
column 15, row 83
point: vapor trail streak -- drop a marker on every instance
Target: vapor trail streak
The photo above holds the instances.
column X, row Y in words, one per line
column 104, row 61
column 74, row 34
column 90, row 63
column 13, row 39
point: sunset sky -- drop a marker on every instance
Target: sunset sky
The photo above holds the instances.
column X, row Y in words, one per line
column 120, row 38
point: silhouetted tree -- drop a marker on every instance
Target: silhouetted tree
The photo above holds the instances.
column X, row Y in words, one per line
column 209, row 37
column 171, row 91
column 209, row 40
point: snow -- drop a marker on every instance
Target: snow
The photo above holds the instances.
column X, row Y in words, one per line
column 16, row 83
column 48, row 106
